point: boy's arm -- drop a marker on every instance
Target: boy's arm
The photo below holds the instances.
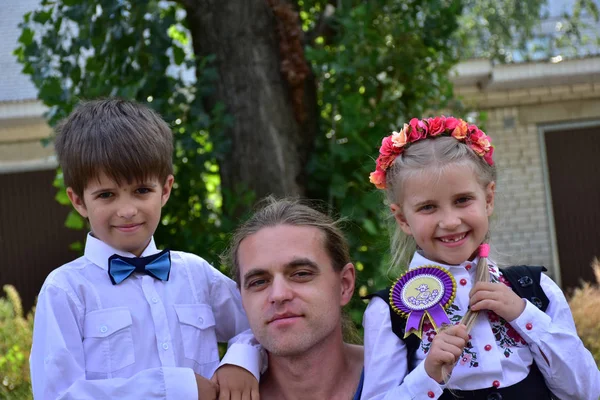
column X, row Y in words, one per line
column 232, row 327
column 58, row 360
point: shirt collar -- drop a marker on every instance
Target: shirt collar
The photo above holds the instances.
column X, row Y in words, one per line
column 420, row 260
column 98, row 252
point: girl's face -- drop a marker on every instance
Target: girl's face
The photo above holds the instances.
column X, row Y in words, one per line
column 446, row 212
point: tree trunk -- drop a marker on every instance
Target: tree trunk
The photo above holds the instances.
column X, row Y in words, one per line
column 271, row 136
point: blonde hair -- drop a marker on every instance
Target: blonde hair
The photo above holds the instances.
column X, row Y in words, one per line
column 439, row 153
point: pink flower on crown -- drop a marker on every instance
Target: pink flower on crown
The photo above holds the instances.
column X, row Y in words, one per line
column 460, row 131
column 393, row 146
column 478, row 140
column 387, row 147
column 399, row 138
column 417, row 130
column 384, row 162
column 451, row 123
column 377, row 178
column 488, row 156
column 437, row 125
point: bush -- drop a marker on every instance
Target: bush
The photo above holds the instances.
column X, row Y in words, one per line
column 15, row 343
column 585, row 306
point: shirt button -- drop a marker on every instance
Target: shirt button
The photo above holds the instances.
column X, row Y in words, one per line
column 200, row 319
column 488, row 347
column 154, row 300
column 468, row 267
column 496, row 384
column 166, row 346
column 103, row 329
column 529, row 326
column 463, row 281
column 431, row 394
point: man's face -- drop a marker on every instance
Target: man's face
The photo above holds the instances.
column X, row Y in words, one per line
column 290, row 291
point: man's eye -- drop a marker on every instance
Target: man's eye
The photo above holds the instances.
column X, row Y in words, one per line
column 257, row 283
column 303, row 275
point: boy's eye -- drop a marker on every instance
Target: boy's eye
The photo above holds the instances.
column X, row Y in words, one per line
column 105, row 195
column 144, row 190
column 426, row 207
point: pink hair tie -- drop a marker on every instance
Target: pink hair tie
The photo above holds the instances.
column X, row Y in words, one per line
column 484, row 250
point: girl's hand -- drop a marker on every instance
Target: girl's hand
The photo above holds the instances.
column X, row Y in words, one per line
column 498, row 298
column 446, row 349
column 235, row 383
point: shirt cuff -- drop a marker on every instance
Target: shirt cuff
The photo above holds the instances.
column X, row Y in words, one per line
column 245, row 356
column 180, row 383
column 532, row 323
column 421, row 386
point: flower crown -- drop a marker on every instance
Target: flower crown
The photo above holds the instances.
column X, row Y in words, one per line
column 392, row 146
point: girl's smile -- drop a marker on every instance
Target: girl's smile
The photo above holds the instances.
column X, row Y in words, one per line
column 446, row 211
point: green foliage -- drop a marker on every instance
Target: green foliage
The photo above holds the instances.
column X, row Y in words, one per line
column 380, row 68
column 15, row 342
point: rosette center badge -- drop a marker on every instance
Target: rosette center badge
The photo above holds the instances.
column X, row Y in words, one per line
column 423, row 291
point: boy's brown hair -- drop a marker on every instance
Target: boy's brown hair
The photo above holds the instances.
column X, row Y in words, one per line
column 123, row 139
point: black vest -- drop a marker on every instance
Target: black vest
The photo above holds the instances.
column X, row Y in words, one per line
column 524, row 281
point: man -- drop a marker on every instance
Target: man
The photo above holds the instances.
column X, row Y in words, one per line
column 292, row 265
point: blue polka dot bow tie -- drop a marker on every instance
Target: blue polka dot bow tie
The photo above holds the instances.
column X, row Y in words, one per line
column 157, row 265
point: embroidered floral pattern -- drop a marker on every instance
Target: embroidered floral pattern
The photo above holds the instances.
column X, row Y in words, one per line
column 506, row 336
column 469, row 356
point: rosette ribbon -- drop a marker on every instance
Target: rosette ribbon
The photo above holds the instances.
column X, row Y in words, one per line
column 424, row 291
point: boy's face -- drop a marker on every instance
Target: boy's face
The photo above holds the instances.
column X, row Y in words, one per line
column 123, row 216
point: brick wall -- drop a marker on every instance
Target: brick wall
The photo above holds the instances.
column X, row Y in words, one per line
column 522, row 226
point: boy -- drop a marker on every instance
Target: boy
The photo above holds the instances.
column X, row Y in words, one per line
column 126, row 321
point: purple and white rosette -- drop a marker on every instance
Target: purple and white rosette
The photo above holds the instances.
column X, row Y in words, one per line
column 426, row 290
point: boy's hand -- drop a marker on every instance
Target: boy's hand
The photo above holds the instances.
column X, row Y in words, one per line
column 446, row 349
column 235, row 383
column 498, row 298
column 207, row 389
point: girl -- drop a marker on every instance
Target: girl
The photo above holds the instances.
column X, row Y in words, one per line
column 439, row 179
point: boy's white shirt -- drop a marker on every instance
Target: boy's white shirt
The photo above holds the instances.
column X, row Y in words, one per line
column 571, row 373
column 141, row 339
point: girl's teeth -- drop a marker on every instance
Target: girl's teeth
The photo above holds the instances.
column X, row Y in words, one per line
column 453, row 240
